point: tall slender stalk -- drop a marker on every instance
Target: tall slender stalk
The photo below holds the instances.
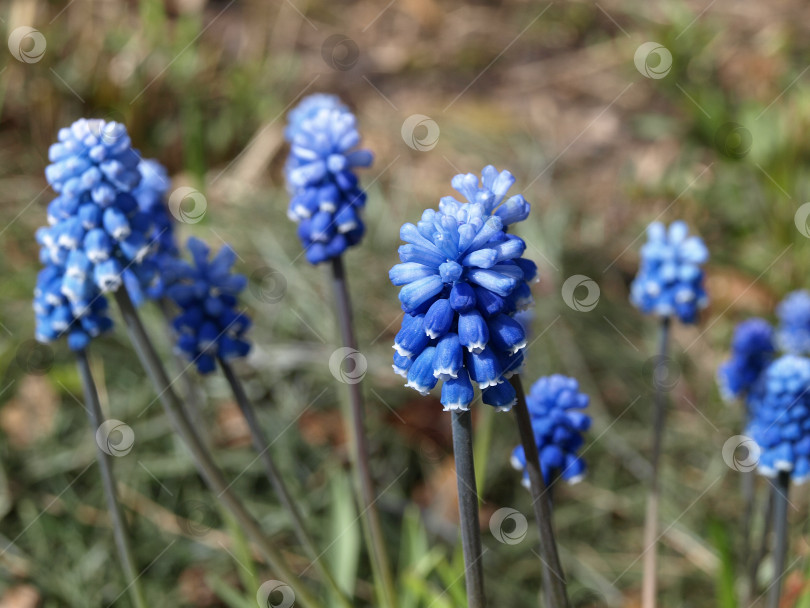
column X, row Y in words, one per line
column 780, row 532
column 468, row 508
column 212, row 475
column 553, row 575
column 119, row 524
column 762, row 549
column 359, row 442
column 650, row 575
column 262, row 447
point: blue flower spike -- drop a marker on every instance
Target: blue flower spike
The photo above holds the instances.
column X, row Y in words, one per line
column 793, row 332
column 780, row 418
column 670, row 278
column 752, row 349
column 326, row 199
column 555, row 406
column 206, row 291
column 462, row 279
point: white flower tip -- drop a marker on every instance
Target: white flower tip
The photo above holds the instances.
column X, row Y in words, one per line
column 399, row 371
column 476, row 347
column 422, row 390
column 572, row 481
column 516, row 464
column 457, row 407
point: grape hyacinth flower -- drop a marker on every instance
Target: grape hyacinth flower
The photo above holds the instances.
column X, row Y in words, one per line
column 326, row 199
column 554, row 405
column 670, row 279
column 793, row 332
column 459, row 275
column 752, row 349
column 209, row 326
column 489, row 192
column 96, row 229
column 56, row 316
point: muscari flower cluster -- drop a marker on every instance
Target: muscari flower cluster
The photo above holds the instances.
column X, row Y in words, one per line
column 555, row 405
column 670, row 279
column 752, row 349
column 793, row 333
column 95, row 230
column 463, row 279
column 208, row 325
column 780, row 418
column 326, row 199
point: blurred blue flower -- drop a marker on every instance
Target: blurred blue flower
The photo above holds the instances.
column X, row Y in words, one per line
column 96, row 228
column 554, row 404
column 80, row 319
column 461, row 276
column 489, row 192
column 670, row 280
column 209, row 326
column 793, row 332
column 752, row 349
column 326, row 199
column 780, row 418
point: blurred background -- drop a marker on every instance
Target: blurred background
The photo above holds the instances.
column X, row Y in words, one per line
column 707, row 122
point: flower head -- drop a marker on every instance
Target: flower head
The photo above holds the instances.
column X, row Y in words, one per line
column 461, row 277
column 780, row 418
column 554, row 404
column 209, row 326
column 752, row 349
column 326, row 198
column 96, row 228
column 670, row 279
column 793, row 333
column 56, row 316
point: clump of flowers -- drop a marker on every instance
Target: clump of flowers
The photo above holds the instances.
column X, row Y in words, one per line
column 752, row 349
column 793, row 333
column 780, row 418
column 206, row 292
column 326, row 199
column 670, row 278
column 555, row 405
column 463, row 279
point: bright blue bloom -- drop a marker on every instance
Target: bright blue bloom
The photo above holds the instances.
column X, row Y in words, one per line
column 490, row 193
column 80, row 319
column 554, row 404
column 752, row 349
column 326, row 198
column 793, row 333
column 780, row 418
column 209, row 326
column 670, row 279
column 462, row 279
column 96, row 173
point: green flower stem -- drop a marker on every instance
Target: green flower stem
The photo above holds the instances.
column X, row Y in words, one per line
column 275, row 478
column 468, row 508
column 780, row 531
column 649, row 586
column 212, row 475
column 119, row 524
column 359, row 443
column 554, row 585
